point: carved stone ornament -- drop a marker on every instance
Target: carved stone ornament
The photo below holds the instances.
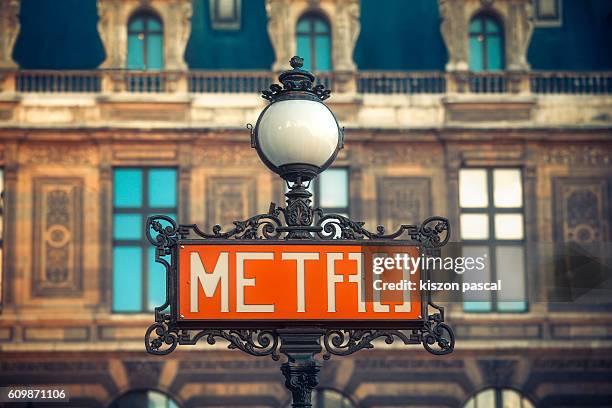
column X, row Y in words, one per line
column 57, row 249
column 9, row 28
column 58, row 154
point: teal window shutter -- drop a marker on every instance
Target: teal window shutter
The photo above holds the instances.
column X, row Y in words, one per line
column 486, row 44
column 313, row 38
column 145, row 42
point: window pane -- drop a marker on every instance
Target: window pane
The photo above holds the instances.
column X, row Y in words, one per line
column 137, row 24
column 509, row 226
column 156, row 400
column 127, row 226
column 474, row 226
column 135, row 58
column 323, row 47
column 303, row 26
column 477, row 301
column 127, row 279
column 476, row 25
column 492, row 26
column 510, row 264
column 476, row 54
column 144, row 398
column 486, row 398
column 333, row 188
column 547, row 8
column 303, row 50
column 476, row 306
column 162, row 188
column 511, row 398
column 321, row 27
column 153, row 24
column 470, row 403
column 157, row 281
column 225, row 9
column 495, row 53
column 127, row 188
column 508, row 188
column 155, row 51
column 473, row 188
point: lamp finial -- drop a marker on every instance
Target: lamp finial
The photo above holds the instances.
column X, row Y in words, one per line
column 296, row 62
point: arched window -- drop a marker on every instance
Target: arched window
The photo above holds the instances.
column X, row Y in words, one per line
column 145, row 42
column 144, row 399
column 486, row 44
column 314, row 42
column 327, row 398
column 498, row 398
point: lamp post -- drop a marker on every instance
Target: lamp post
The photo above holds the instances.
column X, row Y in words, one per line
column 296, row 136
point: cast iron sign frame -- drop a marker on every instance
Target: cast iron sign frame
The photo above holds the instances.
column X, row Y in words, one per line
column 261, row 338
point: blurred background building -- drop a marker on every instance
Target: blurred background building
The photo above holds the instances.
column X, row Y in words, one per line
column 494, row 113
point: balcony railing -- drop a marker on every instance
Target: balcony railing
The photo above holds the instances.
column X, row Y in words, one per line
column 145, row 82
column 228, row 82
column 579, row 83
column 58, row 81
column 401, row 82
column 488, row 82
column 364, row 82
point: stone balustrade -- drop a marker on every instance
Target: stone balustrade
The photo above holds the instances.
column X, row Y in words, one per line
column 381, row 99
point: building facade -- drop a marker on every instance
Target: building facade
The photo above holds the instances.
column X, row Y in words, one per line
column 494, row 113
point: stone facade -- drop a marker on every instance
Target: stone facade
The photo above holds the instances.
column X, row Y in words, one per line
column 63, row 183
column 403, row 152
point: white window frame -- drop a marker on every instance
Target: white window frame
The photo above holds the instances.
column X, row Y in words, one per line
column 544, row 21
column 219, row 23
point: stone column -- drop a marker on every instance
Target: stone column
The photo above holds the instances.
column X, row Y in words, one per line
column 9, row 28
column 518, row 32
column 345, row 31
column 110, row 30
column 11, row 169
column 177, row 27
column 454, row 29
column 281, row 29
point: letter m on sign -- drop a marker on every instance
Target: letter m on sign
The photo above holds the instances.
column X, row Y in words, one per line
column 209, row 281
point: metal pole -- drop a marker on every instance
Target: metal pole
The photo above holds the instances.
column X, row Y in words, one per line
column 301, row 370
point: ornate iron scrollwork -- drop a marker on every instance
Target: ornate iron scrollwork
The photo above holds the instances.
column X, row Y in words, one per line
column 345, row 342
column 301, row 222
column 254, row 342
